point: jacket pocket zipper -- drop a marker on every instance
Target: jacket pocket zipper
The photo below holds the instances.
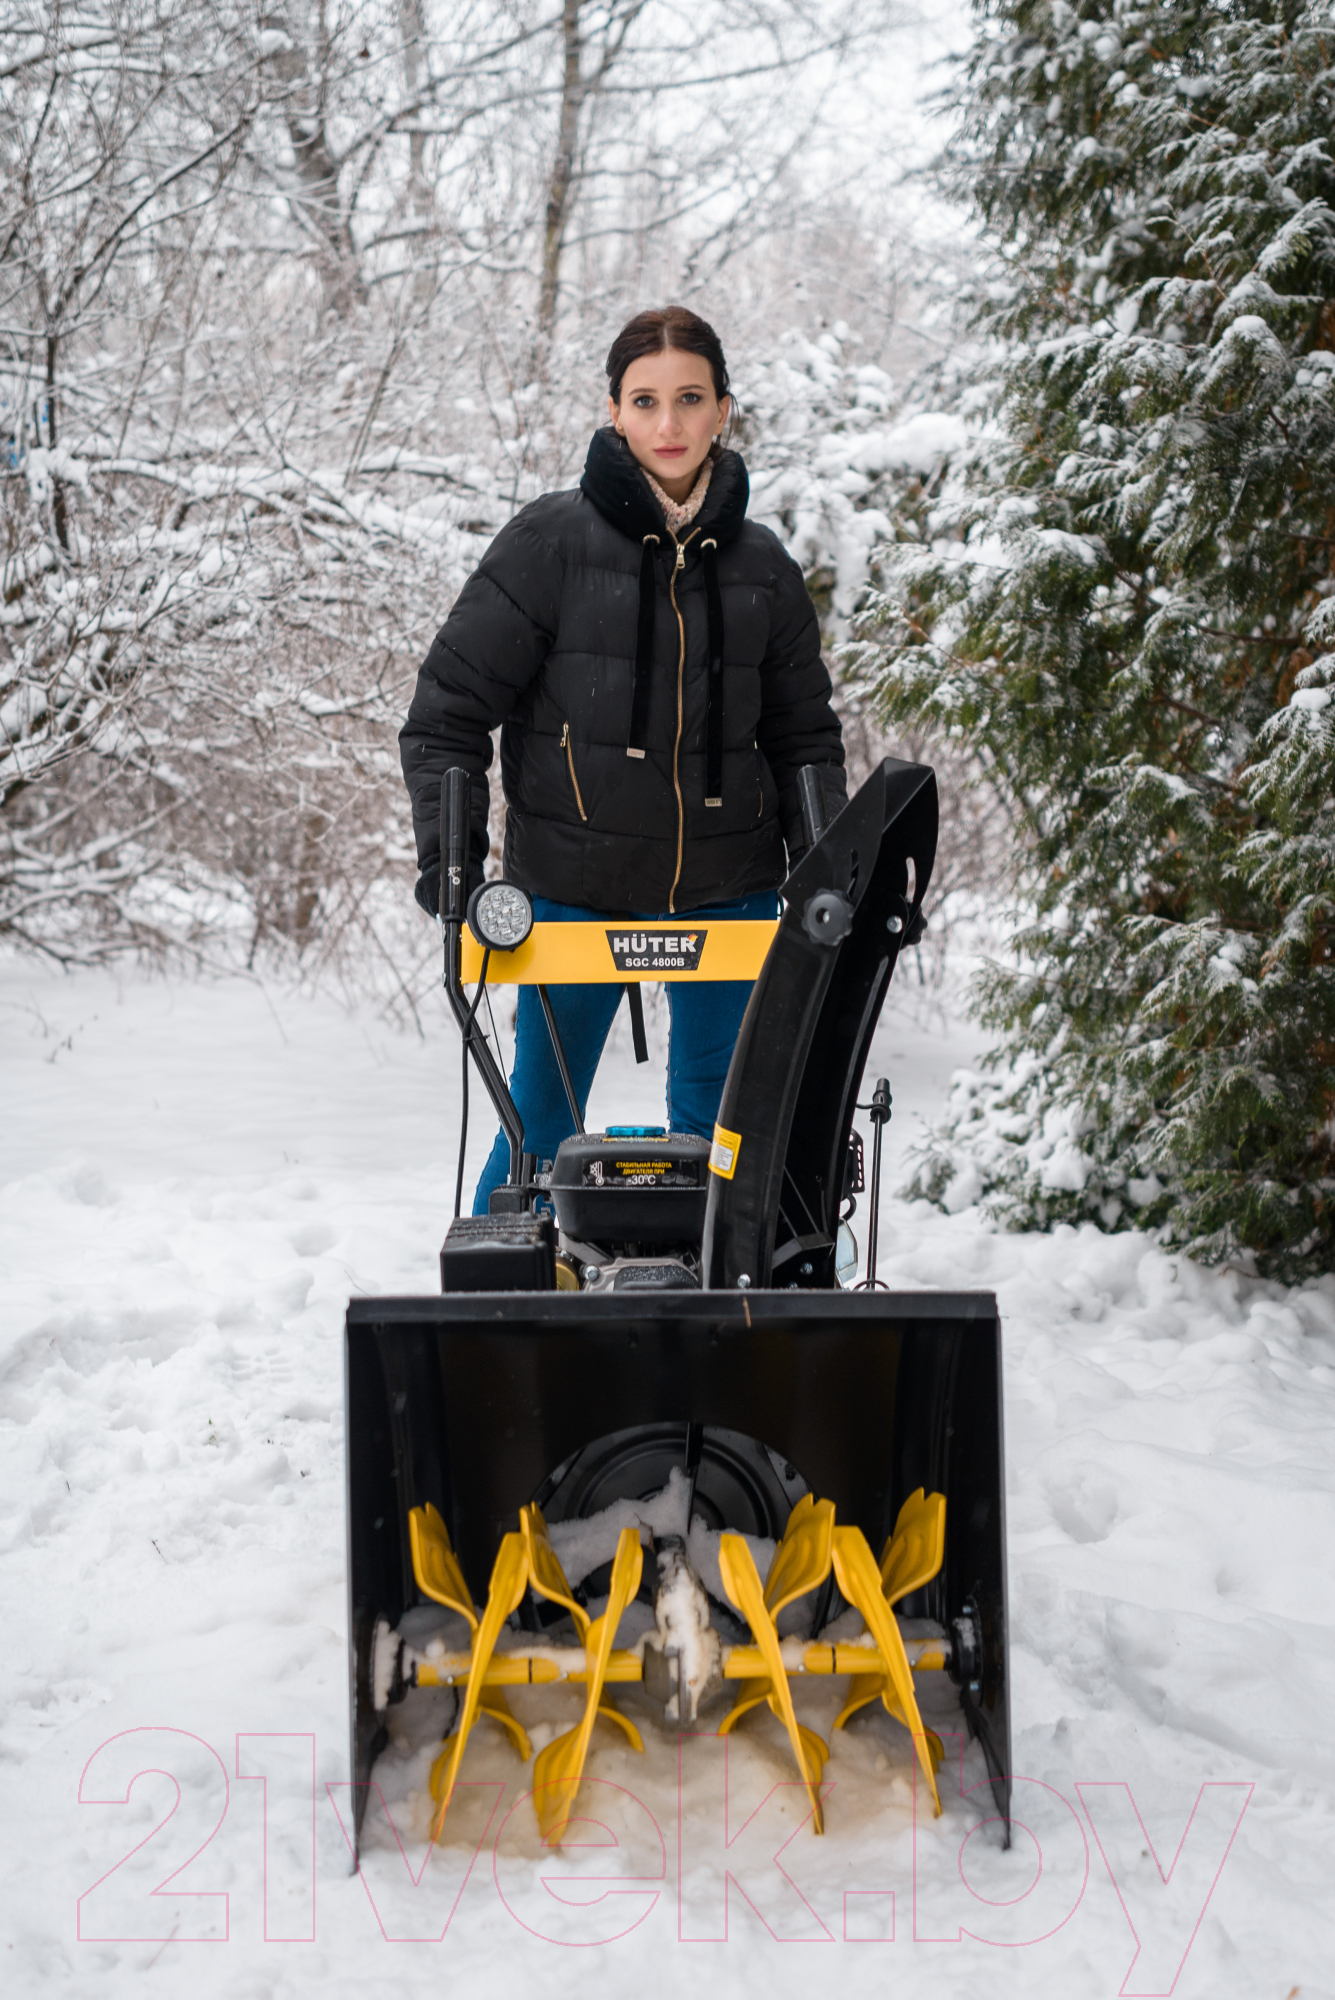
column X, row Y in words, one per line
column 570, row 760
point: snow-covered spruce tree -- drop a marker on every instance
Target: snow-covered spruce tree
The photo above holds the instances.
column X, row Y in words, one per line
column 1134, row 631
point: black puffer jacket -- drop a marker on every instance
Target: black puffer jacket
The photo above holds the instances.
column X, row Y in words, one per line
column 658, row 698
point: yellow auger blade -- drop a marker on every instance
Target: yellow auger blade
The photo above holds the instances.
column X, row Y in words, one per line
column 859, row 1579
column 750, row 1694
column 911, row 1557
column 437, row 1570
column 544, row 1567
column 863, row 1688
column 741, row 1580
column 936, row 1747
column 496, row 1707
column 800, row 1563
column 802, row 1560
column 435, row 1564
column 917, row 1548
column 558, row 1769
column 509, row 1581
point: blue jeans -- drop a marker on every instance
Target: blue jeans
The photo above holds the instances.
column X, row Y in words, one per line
column 704, row 1021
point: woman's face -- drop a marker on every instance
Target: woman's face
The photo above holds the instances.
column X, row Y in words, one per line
column 669, row 416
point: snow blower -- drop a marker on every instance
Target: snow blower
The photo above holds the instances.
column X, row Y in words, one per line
column 653, row 1352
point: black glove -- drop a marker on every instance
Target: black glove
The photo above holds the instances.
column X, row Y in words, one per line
column 834, row 797
column 427, row 891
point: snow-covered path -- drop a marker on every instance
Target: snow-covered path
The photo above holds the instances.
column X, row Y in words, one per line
column 193, row 1179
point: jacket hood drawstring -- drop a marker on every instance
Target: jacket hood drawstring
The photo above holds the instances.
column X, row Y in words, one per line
column 644, row 663
column 644, row 651
column 714, row 723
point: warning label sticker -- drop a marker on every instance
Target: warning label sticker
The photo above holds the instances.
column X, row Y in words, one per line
column 656, row 950
column 661, row 1172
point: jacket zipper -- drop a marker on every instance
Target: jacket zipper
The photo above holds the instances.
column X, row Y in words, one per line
column 570, row 760
column 677, row 567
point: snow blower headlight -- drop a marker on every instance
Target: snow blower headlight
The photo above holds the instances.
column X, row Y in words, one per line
column 500, row 916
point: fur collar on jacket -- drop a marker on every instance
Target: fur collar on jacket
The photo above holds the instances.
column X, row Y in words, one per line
column 620, row 491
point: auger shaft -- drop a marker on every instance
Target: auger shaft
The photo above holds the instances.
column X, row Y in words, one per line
column 544, row 1669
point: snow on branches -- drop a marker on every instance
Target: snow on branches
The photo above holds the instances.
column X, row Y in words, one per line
column 297, row 307
column 1133, row 628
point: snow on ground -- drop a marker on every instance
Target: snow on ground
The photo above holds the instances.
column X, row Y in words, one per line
column 196, row 1177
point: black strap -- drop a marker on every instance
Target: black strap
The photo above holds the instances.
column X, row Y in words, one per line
column 636, row 1005
column 562, row 1065
column 644, row 652
column 714, row 725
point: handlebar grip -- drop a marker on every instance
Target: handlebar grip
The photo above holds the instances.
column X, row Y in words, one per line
column 812, row 796
column 456, row 805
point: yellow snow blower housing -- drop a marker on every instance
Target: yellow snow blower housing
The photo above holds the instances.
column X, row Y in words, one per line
column 662, row 1325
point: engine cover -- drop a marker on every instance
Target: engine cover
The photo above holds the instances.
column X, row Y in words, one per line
column 632, row 1184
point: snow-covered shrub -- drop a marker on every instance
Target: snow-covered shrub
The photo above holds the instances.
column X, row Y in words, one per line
column 842, row 461
column 291, row 331
column 283, row 353
column 847, row 465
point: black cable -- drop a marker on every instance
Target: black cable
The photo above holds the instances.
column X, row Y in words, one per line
column 467, row 1039
column 880, row 1108
column 495, row 1032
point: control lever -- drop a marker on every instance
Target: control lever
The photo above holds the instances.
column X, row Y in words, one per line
column 879, row 1111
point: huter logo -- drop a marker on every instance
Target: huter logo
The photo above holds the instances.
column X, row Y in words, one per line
column 657, row 951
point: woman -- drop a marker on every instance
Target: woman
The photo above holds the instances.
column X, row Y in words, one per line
column 653, row 661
